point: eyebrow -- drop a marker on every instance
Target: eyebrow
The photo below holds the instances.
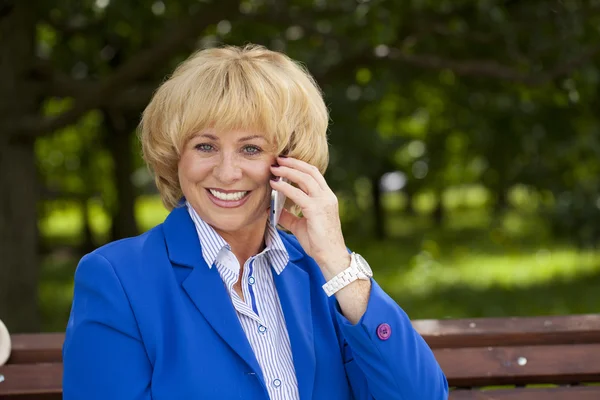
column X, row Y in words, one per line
column 243, row 139
column 247, row 138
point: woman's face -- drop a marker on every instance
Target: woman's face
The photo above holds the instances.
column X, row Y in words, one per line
column 226, row 178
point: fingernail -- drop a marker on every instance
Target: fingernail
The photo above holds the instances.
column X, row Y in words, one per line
column 275, row 178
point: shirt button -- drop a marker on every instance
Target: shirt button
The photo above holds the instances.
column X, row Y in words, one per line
column 384, row 331
column 276, row 383
column 251, row 280
column 262, row 328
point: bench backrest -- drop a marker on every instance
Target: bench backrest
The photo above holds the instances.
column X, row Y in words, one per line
column 563, row 351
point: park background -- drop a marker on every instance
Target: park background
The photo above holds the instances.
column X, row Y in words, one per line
column 465, row 140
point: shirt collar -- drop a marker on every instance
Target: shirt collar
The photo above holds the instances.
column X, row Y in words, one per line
column 210, row 241
column 213, row 244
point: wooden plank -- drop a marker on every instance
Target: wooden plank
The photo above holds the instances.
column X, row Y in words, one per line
column 38, row 396
column 43, row 381
column 456, row 333
column 560, row 393
column 31, row 379
column 31, row 348
column 482, row 366
column 522, row 331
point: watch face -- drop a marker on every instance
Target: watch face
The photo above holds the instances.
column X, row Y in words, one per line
column 363, row 265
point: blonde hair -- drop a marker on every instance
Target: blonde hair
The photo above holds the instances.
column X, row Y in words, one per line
column 233, row 88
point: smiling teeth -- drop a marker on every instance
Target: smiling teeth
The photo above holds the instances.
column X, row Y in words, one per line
column 228, row 196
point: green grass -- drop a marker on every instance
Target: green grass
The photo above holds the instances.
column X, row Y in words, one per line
column 472, row 266
column 463, row 282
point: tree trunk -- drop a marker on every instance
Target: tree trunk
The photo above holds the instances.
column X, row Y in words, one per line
column 18, row 238
column 18, row 176
column 501, row 204
column 378, row 212
column 409, row 192
column 438, row 212
column 120, row 131
column 88, row 244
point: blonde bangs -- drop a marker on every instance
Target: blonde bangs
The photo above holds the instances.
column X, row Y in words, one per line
column 221, row 98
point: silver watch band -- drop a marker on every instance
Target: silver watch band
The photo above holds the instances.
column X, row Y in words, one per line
column 341, row 280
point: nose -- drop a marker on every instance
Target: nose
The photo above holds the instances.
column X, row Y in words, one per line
column 227, row 170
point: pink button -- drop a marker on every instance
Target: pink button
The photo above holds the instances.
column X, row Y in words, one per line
column 384, row 331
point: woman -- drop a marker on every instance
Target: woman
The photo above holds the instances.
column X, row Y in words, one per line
column 214, row 303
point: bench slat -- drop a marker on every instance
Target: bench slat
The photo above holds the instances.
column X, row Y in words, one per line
column 31, row 348
column 458, row 333
column 37, row 396
column 31, row 379
column 481, row 366
column 38, row 379
column 521, row 331
column 561, row 393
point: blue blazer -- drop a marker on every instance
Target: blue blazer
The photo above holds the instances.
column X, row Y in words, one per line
column 150, row 320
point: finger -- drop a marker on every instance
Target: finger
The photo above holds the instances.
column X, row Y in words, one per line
column 293, row 193
column 289, row 221
column 306, row 168
column 305, row 181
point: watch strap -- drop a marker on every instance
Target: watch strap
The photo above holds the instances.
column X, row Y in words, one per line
column 341, row 280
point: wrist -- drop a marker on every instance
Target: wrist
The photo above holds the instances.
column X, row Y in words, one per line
column 334, row 264
column 358, row 269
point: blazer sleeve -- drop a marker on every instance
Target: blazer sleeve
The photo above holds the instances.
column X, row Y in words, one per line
column 103, row 355
column 400, row 367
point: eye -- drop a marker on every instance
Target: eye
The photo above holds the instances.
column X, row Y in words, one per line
column 251, row 149
column 205, row 147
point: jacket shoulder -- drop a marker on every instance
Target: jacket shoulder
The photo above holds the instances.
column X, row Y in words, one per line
column 130, row 250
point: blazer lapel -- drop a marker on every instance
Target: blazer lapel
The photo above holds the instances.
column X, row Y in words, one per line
column 204, row 285
column 293, row 288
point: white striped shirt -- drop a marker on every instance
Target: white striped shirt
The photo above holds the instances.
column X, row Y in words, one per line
column 260, row 312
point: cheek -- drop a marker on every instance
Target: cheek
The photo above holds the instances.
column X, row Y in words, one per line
column 192, row 169
column 266, row 174
column 259, row 171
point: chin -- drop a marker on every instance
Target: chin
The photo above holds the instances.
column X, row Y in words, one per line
column 225, row 221
column 225, row 224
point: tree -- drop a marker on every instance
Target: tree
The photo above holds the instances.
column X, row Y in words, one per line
column 27, row 82
column 109, row 56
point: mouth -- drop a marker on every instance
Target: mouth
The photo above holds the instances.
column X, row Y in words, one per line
column 228, row 199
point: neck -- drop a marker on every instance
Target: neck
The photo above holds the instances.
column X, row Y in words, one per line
column 246, row 242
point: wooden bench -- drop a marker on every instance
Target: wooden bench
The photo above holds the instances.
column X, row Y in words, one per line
column 474, row 353
column 34, row 369
column 561, row 351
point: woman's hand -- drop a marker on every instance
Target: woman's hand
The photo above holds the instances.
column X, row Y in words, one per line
column 319, row 231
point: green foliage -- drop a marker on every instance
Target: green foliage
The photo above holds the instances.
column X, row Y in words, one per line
column 432, row 116
column 482, row 105
column 460, row 270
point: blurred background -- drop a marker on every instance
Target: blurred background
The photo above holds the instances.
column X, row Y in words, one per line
column 465, row 140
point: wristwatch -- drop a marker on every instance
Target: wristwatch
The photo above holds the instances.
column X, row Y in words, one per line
column 359, row 269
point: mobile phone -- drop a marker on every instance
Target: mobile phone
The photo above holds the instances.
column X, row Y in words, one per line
column 277, row 203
